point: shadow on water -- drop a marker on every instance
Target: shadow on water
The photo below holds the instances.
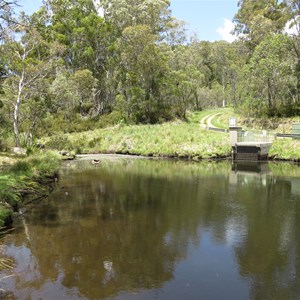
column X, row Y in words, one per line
column 145, row 229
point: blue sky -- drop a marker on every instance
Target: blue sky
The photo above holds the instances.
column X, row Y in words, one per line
column 209, row 19
column 206, row 17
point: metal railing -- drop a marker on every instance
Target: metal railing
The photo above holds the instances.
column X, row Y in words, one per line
column 261, row 136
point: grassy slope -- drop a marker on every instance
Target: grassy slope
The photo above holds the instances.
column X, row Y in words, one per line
column 284, row 149
column 176, row 139
column 220, row 121
column 24, row 175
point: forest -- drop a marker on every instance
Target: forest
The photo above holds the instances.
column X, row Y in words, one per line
column 77, row 65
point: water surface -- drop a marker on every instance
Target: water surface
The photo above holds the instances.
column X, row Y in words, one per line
column 150, row 229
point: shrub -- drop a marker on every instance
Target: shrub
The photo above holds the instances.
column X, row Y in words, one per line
column 59, row 142
column 4, row 214
column 20, row 166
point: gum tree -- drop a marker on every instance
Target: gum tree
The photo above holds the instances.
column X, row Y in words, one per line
column 29, row 60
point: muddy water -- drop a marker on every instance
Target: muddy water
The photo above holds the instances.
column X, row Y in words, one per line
column 149, row 229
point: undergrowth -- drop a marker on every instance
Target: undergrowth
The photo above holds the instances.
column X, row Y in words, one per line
column 286, row 149
column 25, row 176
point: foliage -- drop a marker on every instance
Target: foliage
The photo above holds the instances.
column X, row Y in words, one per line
column 270, row 75
column 75, row 66
column 58, row 142
column 4, row 214
column 257, row 19
column 24, row 177
column 285, row 149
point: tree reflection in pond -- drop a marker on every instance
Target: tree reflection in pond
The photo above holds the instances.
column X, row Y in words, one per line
column 134, row 228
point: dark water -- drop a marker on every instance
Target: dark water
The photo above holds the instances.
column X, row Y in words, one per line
column 147, row 229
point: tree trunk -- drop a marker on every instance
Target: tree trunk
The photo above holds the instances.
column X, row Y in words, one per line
column 270, row 102
column 16, row 111
column 197, row 101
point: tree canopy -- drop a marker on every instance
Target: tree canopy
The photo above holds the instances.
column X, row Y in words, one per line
column 72, row 64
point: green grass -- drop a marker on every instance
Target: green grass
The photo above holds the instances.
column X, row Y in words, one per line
column 285, row 149
column 176, row 139
column 25, row 176
column 277, row 125
column 222, row 120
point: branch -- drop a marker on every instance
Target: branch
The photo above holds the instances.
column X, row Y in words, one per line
column 39, row 74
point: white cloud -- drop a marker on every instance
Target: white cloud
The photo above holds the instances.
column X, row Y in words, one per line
column 225, row 31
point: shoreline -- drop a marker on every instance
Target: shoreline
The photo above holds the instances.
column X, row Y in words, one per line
column 27, row 176
column 86, row 156
column 6, row 212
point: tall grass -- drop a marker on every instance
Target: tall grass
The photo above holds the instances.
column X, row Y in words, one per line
column 285, row 149
column 23, row 177
column 176, row 139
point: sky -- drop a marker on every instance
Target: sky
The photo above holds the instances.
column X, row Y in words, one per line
column 211, row 20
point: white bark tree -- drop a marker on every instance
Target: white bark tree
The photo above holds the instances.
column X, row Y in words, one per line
column 29, row 60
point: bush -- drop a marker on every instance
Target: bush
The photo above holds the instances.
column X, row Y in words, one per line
column 20, row 166
column 59, row 142
column 4, row 215
column 111, row 119
column 25, row 176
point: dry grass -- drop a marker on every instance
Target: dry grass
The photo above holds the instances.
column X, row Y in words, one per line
column 7, row 159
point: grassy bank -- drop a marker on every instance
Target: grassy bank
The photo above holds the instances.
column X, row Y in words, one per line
column 176, row 139
column 285, row 149
column 24, row 176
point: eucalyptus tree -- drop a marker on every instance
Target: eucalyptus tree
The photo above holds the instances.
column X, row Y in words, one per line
column 155, row 14
column 6, row 13
column 29, row 61
column 271, row 77
column 186, row 78
column 228, row 61
column 293, row 7
column 78, row 26
column 175, row 33
column 257, row 19
column 89, row 42
column 141, row 74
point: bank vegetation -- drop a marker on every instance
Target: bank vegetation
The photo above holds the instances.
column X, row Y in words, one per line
column 23, row 177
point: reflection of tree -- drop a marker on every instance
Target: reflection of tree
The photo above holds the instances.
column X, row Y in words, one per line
column 121, row 230
column 268, row 250
column 123, row 227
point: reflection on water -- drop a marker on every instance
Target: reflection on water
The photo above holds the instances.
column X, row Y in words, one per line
column 151, row 229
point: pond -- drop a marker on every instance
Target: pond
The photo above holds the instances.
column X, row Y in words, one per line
column 133, row 228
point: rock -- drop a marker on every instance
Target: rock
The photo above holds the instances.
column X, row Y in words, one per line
column 40, row 146
column 95, row 161
column 69, row 157
column 64, row 153
column 19, row 151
